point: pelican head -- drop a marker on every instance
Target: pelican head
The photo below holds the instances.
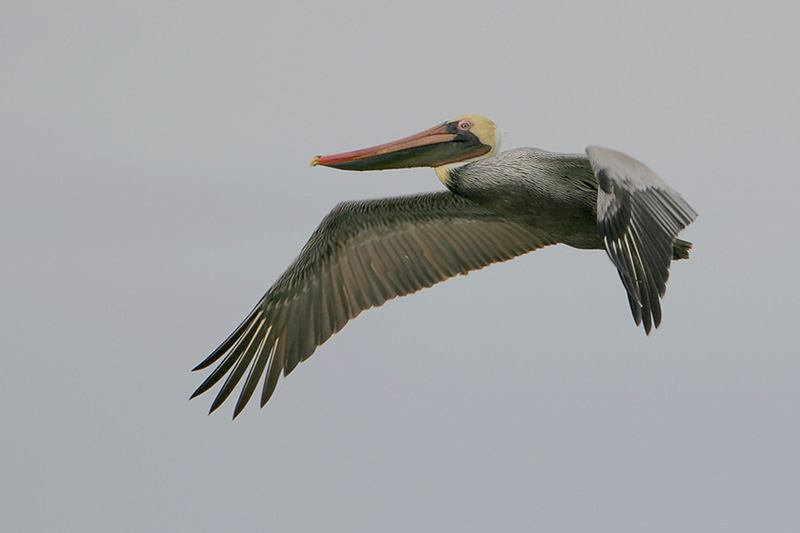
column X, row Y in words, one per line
column 445, row 146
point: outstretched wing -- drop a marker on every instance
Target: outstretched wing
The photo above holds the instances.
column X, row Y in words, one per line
column 639, row 218
column 361, row 255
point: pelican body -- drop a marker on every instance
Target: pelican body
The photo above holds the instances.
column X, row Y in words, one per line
column 497, row 206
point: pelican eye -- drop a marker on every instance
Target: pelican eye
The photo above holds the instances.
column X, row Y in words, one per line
column 464, row 125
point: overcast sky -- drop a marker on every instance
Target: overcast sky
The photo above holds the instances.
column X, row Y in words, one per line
column 155, row 182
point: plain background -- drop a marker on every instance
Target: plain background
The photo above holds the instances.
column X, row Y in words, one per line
column 155, row 181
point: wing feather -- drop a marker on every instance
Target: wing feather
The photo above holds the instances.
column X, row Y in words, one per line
column 639, row 218
column 362, row 254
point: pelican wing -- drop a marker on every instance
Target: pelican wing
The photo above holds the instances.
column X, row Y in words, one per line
column 361, row 255
column 639, row 218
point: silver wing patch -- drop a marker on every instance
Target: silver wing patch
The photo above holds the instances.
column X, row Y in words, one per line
column 639, row 217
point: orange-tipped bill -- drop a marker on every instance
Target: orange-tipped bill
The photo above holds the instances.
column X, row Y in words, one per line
column 433, row 147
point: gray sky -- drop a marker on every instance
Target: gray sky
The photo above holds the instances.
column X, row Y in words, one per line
column 155, row 182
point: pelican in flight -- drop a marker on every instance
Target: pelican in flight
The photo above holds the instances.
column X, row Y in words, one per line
column 497, row 206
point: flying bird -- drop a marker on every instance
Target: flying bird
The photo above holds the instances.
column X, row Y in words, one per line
column 497, row 206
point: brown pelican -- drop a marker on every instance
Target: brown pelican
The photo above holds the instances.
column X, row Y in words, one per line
column 497, row 206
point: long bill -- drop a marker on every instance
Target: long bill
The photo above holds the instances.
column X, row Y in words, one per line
column 433, row 147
